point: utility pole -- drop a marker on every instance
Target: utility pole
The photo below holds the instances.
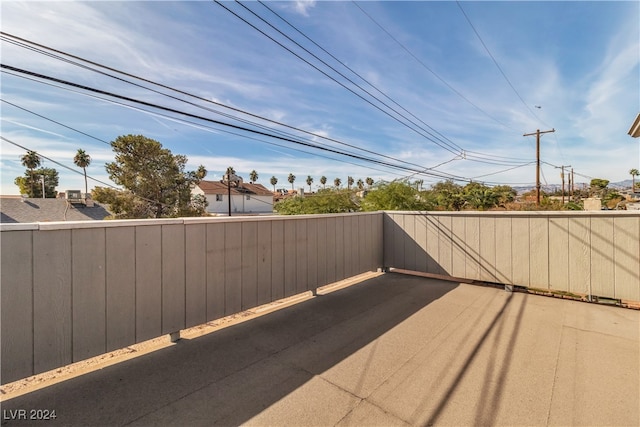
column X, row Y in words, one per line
column 573, row 183
column 537, row 133
column 562, row 176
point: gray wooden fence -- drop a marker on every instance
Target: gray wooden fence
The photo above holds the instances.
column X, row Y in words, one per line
column 75, row 290
column 589, row 253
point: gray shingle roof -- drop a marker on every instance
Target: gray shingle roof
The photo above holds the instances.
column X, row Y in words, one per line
column 18, row 210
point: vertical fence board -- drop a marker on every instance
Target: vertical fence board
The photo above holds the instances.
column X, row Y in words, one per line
column 539, row 252
column 173, row 278
column 277, row 260
column 264, row 262
column 421, row 242
column 148, row 282
column 339, row 245
column 120, row 243
column 321, row 262
column 195, row 274
column 16, row 305
column 52, row 327
column 388, row 236
column 627, row 258
column 459, row 248
column 559, row 253
column 88, row 290
column 215, row 271
column 232, row 268
column 290, row 258
column 504, row 251
column 433, row 250
column 332, row 250
column 488, row 247
column 602, row 266
column 300, row 257
column 445, row 244
column 579, row 255
column 408, row 233
column 249, row 255
column 348, row 246
column 520, row 247
column 312, row 253
column 472, row 247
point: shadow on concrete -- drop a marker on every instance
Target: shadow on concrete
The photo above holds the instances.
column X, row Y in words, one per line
column 231, row 375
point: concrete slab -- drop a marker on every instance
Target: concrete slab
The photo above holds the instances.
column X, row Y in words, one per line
column 392, row 350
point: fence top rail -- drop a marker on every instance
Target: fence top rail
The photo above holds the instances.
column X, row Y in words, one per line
column 66, row 225
column 539, row 214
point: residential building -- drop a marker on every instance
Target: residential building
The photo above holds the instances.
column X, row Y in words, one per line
column 245, row 198
column 16, row 209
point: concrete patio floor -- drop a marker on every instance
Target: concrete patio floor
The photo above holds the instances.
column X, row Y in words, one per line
column 391, row 350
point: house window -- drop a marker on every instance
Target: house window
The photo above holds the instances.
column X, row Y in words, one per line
column 248, row 197
column 218, row 197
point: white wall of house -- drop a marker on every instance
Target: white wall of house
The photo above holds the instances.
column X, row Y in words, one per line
column 219, row 203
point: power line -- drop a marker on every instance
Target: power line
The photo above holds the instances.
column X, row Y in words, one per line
column 443, row 144
column 172, row 110
column 25, row 43
column 498, row 65
column 428, row 68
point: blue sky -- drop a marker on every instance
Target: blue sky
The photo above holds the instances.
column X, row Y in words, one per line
column 578, row 61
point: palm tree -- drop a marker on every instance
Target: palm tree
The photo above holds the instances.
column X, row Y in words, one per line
column 83, row 160
column 31, row 160
column 360, row 184
column 337, row 182
column 634, row 173
column 291, row 179
column 274, row 181
column 349, row 182
column 253, row 176
column 323, row 180
column 369, row 181
column 309, row 182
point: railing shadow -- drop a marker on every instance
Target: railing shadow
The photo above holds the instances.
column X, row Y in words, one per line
column 230, row 376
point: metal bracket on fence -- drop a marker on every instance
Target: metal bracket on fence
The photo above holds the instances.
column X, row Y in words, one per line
column 174, row 336
column 508, row 288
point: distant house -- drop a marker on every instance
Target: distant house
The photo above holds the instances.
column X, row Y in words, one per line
column 245, row 198
column 16, row 209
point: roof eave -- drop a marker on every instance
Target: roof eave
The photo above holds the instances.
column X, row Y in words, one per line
column 634, row 131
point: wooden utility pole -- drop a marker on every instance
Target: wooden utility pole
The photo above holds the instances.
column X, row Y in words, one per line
column 562, row 176
column 573, row 183
column 537, row 133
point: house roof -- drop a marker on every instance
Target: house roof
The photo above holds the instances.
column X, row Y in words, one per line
column 17, row 209
column 634, row 131
column 219, row 187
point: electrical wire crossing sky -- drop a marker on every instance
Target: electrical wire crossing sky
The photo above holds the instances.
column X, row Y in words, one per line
column 426, row 90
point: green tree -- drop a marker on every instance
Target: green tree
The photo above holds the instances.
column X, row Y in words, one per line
column 598, row 187
column 253, row 176
column 448, row 196
column 31, row 160
column 323, row 202
column 291, row 179
column 337, row 182
column 31, row 183
column 274, row 181
column 634, row 173
column 394, row 196
column 309, row 182
column 156, row 177
column 479, row 196
column 83, row 160
column 323, row 180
